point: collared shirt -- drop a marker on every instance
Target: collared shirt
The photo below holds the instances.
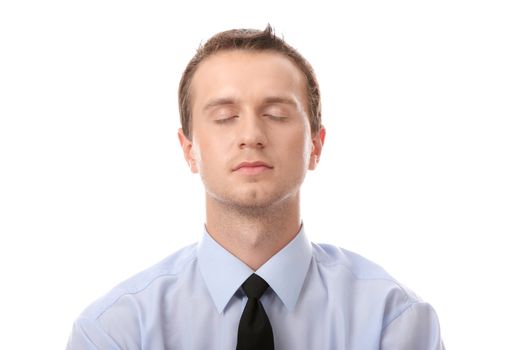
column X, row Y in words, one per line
column 320, row 297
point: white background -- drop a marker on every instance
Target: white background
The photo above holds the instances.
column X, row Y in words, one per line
column 422, row 171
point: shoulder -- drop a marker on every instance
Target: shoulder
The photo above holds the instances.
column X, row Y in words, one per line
column 362, row 275
column 372, row 296
column 359, row 266
column 172, row 267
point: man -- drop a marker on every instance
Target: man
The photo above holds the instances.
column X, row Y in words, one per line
column 251, row 127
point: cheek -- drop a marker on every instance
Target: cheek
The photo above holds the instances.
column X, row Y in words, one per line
column 299, row 149
column 208, row 152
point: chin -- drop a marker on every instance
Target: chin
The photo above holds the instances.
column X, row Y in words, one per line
column 257, row 202
column 252, row 199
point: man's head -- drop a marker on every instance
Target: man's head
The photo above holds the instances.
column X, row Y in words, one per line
column 254, row 41
column 247, row 122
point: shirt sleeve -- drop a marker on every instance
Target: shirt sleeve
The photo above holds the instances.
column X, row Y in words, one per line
column 88, row 335
column 416, row 328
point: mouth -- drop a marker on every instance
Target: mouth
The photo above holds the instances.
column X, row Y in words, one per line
column 252, row 168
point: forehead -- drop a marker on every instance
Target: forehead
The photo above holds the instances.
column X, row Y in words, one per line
column 247, row 76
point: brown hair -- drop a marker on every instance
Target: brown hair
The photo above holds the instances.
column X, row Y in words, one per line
column 255, row 40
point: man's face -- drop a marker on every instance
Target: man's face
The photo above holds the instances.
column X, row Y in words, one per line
column 251, row 139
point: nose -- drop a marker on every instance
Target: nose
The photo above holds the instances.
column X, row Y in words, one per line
column 252, row 133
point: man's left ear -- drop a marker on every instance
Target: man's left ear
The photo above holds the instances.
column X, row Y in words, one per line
column 318, row 142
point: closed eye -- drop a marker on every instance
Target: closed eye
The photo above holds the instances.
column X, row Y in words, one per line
column 225, row 120
column 278, row 118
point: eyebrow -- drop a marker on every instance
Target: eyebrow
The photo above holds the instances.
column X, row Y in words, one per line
column 219, row 102
column 224, row 101
column 278, row 99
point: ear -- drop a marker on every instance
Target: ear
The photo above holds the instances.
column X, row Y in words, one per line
column 318, row 142
column 187, row 149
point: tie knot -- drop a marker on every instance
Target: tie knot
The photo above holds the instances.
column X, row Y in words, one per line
column 254, row 286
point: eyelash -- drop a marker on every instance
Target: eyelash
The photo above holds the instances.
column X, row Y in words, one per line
column 225, row 120
column 276, row 118
column 230, row 119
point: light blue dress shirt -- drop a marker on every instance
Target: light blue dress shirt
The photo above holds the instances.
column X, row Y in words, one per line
column 320, row 298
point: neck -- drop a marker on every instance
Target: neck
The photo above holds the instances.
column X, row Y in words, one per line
column 253, row 235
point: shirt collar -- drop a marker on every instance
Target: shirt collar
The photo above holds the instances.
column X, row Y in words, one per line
column 224, row 273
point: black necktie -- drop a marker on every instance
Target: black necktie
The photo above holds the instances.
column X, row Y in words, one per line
column 255, row 330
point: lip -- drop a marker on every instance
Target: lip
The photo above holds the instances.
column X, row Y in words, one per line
column 252, row 167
